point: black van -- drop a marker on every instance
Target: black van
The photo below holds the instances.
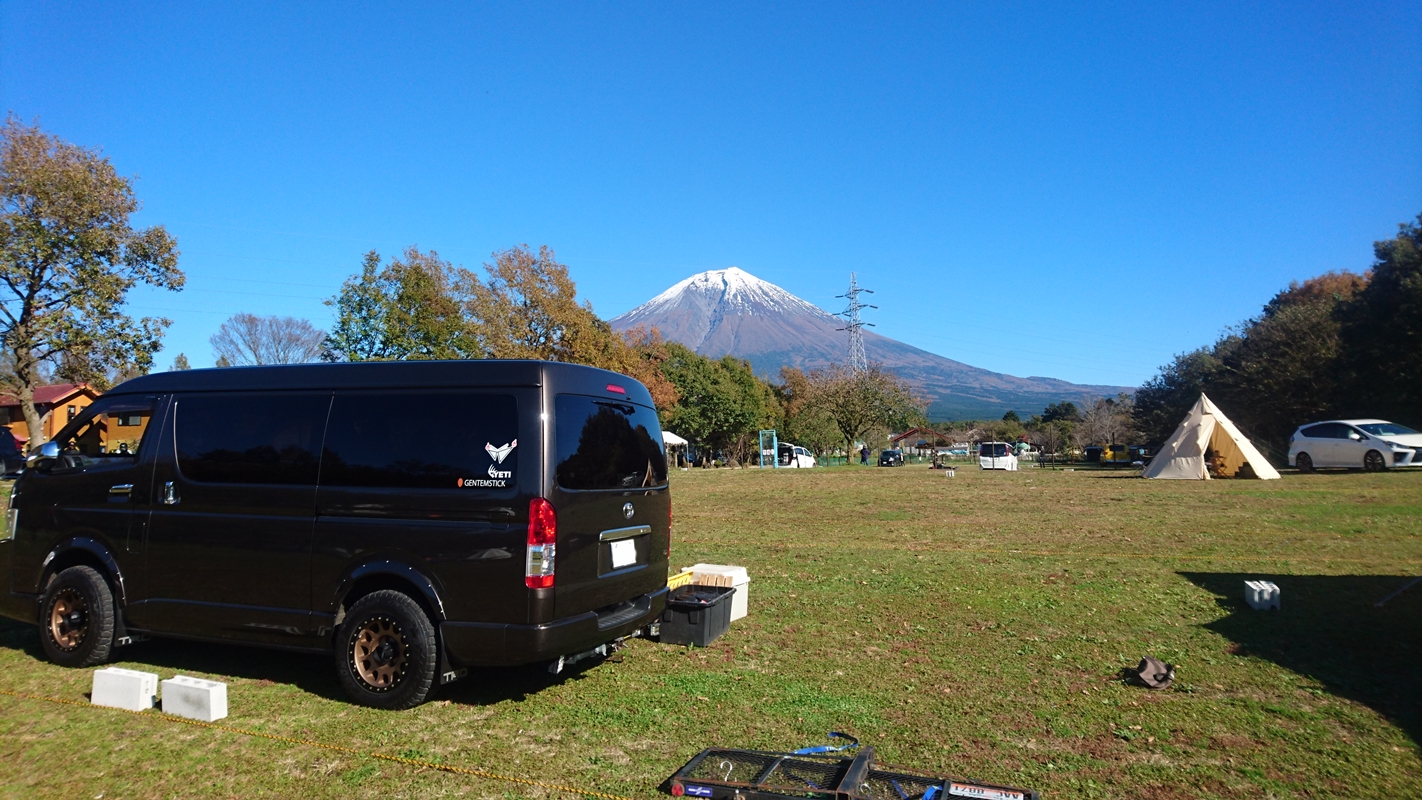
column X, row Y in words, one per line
column 413, row 517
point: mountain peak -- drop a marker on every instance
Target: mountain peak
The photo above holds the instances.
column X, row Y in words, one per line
column 719, row 292
column 730, row 311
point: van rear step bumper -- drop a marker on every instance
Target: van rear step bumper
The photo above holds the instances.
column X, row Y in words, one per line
column 480, row 644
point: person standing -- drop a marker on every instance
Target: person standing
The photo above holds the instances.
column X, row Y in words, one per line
column 864, row 456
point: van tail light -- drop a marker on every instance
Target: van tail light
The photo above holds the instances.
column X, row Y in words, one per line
column 542, row 544
column 669, row 528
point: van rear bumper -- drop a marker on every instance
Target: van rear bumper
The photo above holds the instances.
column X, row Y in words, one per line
column 477, row 644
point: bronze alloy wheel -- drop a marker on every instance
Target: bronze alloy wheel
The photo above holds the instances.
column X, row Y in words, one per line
column 379, row 654
column 68, row 619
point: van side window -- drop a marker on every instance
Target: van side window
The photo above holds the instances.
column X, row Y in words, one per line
column 608, row 444
column 108, row 433
column 435, row 440
column 250, row 437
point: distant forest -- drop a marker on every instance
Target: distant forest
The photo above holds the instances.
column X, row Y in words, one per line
column 1338, row 346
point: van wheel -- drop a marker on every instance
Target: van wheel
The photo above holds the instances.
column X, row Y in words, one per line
column 1374, row 462
column 1304, row 462
column 77, row 618
column 385, row 652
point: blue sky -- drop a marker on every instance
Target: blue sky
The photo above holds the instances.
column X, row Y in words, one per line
column 1033, row 189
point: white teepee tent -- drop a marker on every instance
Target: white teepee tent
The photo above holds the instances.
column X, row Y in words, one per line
column 1206, row 427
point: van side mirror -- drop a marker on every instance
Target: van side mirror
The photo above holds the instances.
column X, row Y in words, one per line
column 47, row 455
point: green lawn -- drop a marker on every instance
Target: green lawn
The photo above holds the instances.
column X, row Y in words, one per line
column 972, row 625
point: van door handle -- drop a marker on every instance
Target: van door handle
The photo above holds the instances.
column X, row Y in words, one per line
column 170, row 494
column 122, row 488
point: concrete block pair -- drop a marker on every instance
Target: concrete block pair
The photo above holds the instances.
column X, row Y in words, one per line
column 132, row 690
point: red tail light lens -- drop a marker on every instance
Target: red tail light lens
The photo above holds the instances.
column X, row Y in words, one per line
column 542, row 544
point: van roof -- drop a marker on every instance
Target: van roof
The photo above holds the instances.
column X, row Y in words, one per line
column 575, row 378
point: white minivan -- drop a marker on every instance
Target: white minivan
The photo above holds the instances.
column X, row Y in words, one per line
column 1370, row 444
column 793, row 455
column 997, row 455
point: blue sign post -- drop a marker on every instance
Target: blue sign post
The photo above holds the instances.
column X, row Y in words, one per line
column 774, row 450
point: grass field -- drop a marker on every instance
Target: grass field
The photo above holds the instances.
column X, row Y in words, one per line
column 972, row 625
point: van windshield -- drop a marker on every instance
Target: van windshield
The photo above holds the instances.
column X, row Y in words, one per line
column 608, row 444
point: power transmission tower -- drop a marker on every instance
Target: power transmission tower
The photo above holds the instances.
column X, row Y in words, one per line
column 857, row 361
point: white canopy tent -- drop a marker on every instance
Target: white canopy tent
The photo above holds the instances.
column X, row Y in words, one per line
column 671, row 440
column 1207, row 428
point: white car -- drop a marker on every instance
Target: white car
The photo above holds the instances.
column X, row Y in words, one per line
column 1370, row 444
column 997, row 455
column 793, row 455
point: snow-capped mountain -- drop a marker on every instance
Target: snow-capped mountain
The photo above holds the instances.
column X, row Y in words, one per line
column 731, row 311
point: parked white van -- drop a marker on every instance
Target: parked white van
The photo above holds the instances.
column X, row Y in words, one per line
column 997, row 455
column 793, row 455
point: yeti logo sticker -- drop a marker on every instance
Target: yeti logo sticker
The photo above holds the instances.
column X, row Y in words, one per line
column 500, row 453
column 498, row 478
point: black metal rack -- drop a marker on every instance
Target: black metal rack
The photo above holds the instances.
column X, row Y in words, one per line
column 719, row 774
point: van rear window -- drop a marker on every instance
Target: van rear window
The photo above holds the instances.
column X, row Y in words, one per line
column 608, row 444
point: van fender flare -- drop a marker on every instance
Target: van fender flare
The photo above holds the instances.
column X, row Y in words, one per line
column 92, row 547
column 395, row 569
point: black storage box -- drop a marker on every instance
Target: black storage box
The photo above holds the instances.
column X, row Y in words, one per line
column 697, row 615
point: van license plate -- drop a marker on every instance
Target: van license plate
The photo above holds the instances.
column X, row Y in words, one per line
column 624, row 553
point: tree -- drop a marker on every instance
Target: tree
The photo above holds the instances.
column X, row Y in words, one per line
column 1283, row 366
column 1381, row 334
column 527, row 307
column 722, row 402
column 1011, row 416
column 406, row 310
column 68, row 258
column 180, row 363
column 805, row 423
column 1064, row 410
column 248, row 340
column 1108, row 421
column 861, row 401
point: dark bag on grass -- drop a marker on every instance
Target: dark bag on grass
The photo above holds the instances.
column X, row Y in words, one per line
column 1152, row 674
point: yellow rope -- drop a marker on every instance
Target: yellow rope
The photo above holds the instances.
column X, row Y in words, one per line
column 414, row 762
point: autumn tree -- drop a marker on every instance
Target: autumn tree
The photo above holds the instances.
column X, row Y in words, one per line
column 248, row 340
column 805, row 422
column 865, row 400
column 405, row 310
column 68, row 258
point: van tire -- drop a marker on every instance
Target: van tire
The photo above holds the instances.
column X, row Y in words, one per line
column 77, row 618
column 385, row 652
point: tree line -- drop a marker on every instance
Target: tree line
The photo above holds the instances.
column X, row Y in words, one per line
column 1341, row 345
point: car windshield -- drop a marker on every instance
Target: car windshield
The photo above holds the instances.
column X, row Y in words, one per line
column 1387, row 429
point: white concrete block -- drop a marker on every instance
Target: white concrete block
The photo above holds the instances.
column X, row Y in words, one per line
column 1261, row 595
column 194, row 698
column 124, row 688
column 723, row 575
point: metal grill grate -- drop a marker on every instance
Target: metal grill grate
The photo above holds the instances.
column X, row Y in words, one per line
column 802, row 775
column 880, row 785
column 731, row 766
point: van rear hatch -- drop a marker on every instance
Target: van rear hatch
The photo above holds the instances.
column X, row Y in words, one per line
column 610, row 494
